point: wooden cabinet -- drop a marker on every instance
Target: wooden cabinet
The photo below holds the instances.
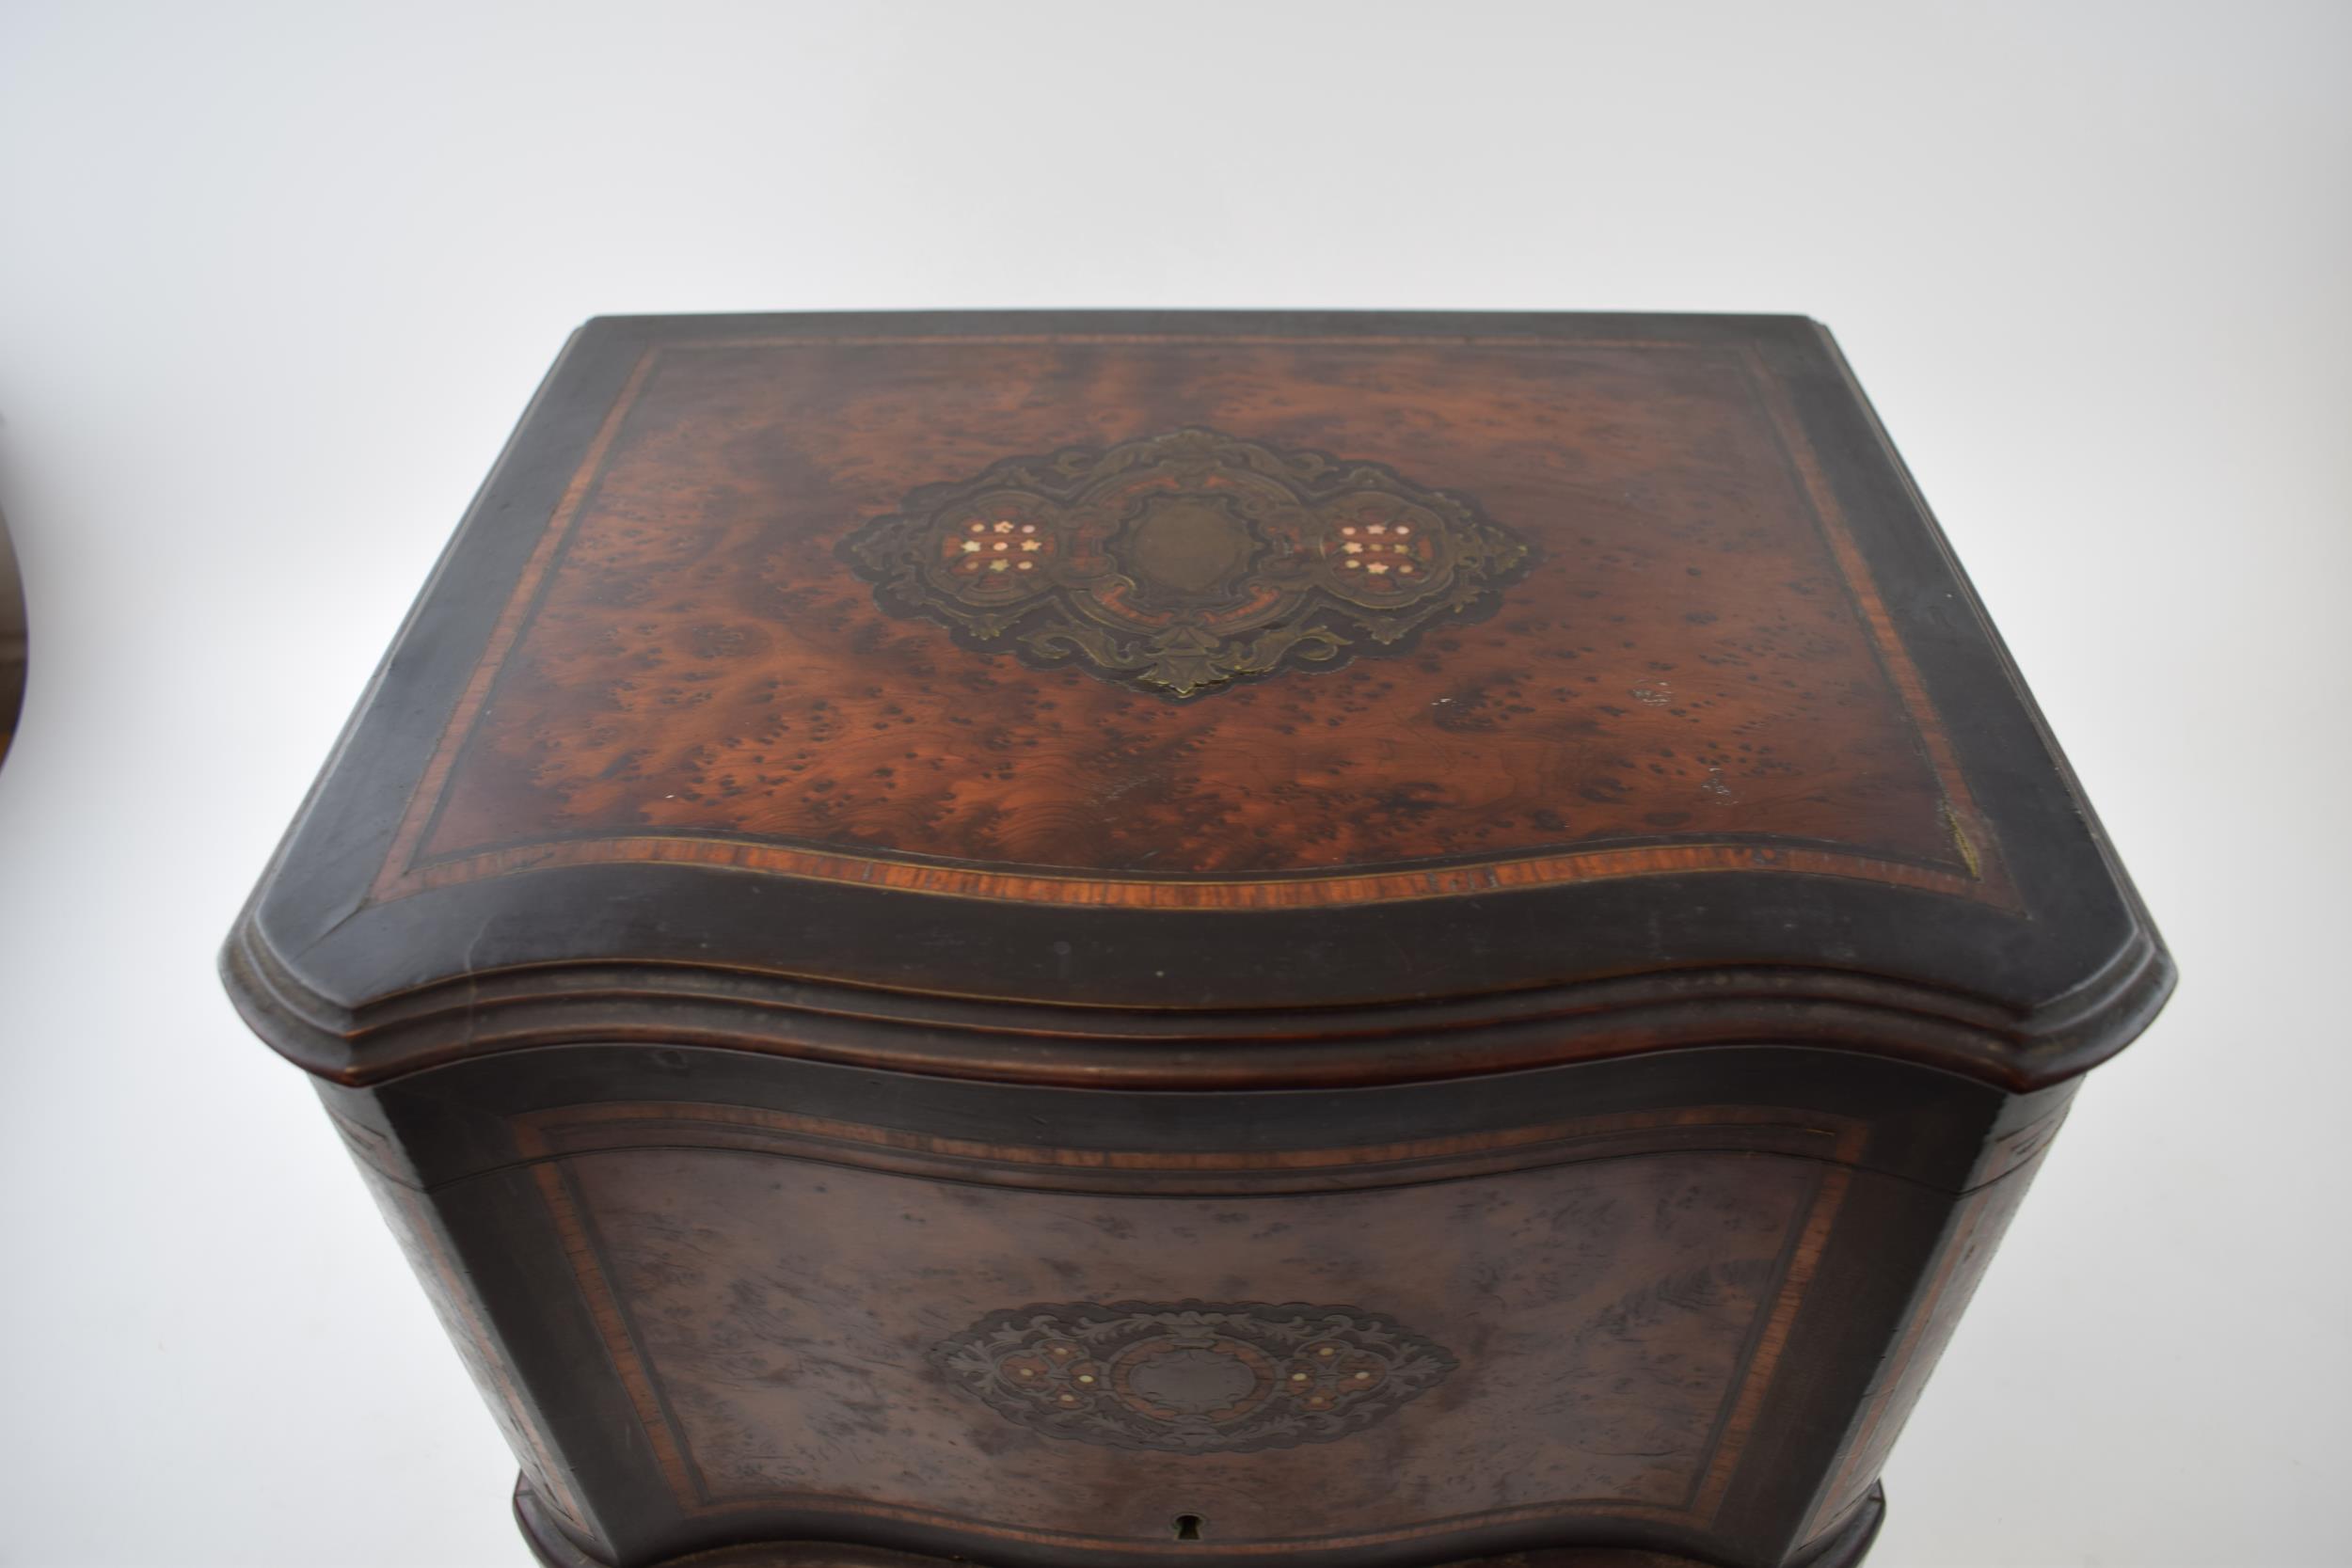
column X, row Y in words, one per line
column 1089, row 940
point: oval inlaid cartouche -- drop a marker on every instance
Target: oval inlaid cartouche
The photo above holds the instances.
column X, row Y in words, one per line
column 1185, row 562
column 1193, row 1377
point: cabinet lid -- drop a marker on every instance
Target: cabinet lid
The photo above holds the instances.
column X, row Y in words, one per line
column 1198, row 699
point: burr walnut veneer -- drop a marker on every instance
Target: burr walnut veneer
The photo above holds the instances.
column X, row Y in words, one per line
column 1123, row 940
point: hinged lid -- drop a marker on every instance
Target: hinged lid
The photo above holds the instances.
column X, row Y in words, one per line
column 1198, row 699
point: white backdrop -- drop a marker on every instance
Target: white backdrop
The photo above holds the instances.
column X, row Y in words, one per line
column 274, row 281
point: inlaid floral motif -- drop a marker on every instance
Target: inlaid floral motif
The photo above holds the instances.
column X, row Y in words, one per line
column 1185, row 562
column 1192, row 1377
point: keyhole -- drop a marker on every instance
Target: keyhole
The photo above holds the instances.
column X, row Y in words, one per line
column 1188, row 1526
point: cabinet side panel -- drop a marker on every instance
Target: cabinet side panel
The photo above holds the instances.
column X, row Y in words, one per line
column 1977, row 1227
column 431, row 1256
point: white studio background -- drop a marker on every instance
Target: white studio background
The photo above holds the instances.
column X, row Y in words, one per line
column 275, row 280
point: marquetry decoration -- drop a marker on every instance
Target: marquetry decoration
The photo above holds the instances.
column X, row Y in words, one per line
column 1185, row 562
column 1193, row 1378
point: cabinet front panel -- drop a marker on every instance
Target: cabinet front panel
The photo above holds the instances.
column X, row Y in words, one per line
column 1075, row 1368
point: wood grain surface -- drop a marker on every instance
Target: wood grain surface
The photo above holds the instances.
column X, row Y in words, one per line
column 778, row 1317
column 1695, row 664
column 1660, row 1304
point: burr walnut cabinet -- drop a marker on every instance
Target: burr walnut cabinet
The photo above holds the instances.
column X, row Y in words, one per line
column 1108, row 941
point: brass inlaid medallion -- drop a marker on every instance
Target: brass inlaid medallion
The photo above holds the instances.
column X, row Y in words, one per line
column 1193, row 1378
column 1186, row 561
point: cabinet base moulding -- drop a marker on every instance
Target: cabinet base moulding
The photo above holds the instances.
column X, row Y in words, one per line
column 554, row 1549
